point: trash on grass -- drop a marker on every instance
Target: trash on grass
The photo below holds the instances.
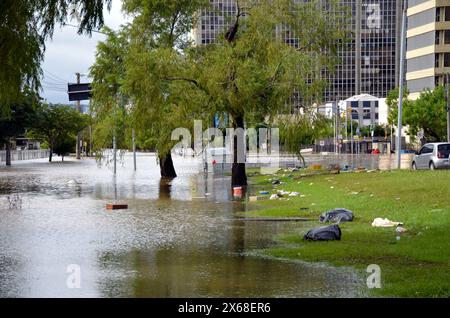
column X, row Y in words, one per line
column 325, row 233
column 379, row 222
column 274, row 197
column 337, row 215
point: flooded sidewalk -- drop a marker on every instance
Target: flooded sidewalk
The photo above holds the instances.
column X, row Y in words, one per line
column 177, row 239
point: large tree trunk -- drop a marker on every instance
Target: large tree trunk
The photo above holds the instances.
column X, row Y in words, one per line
column 8, row 153
column 239, row 174
column 166, row 167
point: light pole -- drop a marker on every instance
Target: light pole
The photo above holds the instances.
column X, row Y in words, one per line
column 401, row 82
column 447, row 89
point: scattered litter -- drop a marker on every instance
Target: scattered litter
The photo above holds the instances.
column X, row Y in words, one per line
column 401, row 230
column 274, row 197
column 355, row 193
column 117, row 206
column 264, row 192
column 282, row 192
column 337, row 215
column 253, row 199
column 325, row 233
column 331, row 187
column 311, row 184
column 275, row 182
column 294, row 194
column 379, row 222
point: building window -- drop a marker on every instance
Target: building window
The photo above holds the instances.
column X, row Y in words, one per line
column 447, row 13
column 436, row 61
column 447, row 37
column 438, row 14
column 438, row 38
column 447, row 60
column 367, row 104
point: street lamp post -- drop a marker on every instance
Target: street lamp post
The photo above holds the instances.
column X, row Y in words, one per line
column 401, row 90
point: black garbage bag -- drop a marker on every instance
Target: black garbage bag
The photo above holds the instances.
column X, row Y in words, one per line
column 325, row 233
column 337, row 215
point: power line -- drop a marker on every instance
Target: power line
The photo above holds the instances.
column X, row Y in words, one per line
column 55, row 77
column 78, row 27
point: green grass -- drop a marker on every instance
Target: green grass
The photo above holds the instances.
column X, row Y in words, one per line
column 416, row 266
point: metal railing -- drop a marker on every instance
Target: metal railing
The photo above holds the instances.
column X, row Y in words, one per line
column 19, row 155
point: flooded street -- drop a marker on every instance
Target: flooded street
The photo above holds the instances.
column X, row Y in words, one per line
column 175, row 240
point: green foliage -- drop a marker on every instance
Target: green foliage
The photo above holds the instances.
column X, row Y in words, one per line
column 56, row 124
column 24, row 27
column 428, row 112
column 252, row 71
column 108, row 104
column 301, row 130
column 157, row 71
column 20, row 117
column 64, row 145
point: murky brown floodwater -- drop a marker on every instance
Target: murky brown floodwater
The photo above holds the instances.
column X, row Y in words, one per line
column 173, row 241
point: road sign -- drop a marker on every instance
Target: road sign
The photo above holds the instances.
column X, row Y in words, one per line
column 322, row 143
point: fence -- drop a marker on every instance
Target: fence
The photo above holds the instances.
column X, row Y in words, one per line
column 18, row 155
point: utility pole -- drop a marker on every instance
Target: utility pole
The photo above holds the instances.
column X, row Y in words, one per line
column 401, row 84
column 447, row 88
column 115, row 153
column 134, row 149
column 79, row 109
column 358, row 48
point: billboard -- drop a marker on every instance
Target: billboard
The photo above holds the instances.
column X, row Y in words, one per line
column 79, row 92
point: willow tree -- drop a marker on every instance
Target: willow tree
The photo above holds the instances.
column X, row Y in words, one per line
column 108, row 103
column 159, row 102
column 273, row 49
column 24, row 27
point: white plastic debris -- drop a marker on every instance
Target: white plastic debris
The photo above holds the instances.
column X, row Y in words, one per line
column 401, row 230
column 274, row 197
column 379, row 222
column 294, row 194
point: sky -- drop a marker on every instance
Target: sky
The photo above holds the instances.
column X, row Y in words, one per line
column 68, row 53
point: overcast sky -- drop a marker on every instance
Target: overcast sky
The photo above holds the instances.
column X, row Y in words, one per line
column 68, row 53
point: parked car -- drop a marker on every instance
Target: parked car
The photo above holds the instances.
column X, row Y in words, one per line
column 432, row 156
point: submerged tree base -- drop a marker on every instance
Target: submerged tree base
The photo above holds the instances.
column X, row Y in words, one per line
column 166, row 167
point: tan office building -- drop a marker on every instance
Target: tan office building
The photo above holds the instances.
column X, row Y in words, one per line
column 428, row 44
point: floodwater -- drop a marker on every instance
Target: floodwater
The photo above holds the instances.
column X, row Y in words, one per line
column 178, row 239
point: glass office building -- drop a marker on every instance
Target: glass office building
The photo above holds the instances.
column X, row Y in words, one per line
column 368, row 64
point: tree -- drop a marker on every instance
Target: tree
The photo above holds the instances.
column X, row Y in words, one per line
column 24, row 27
column 252, row 70
column 427, row 113
column 19, row 119
column 154, row 65
column 56, row 125
column 302, row 129
column 108, row 102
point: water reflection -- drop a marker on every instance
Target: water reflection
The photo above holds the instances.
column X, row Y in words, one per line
column 178, row 238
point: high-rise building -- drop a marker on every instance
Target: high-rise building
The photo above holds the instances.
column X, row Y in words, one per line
column 428, row 44
column 368, row 64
